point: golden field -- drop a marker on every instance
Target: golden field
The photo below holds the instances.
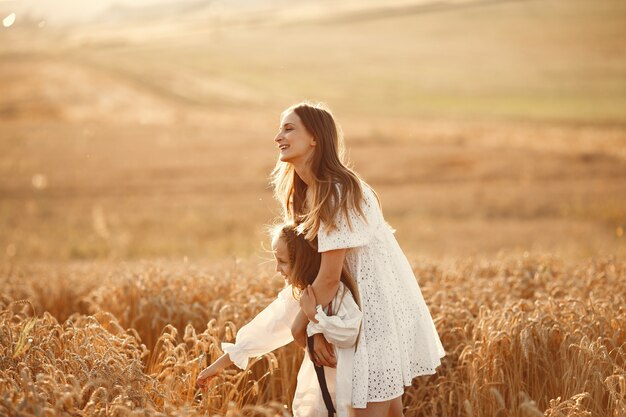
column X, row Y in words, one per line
column 523, row 336
column 134, row 164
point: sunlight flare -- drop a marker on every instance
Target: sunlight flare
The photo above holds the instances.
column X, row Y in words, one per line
column 9, row 20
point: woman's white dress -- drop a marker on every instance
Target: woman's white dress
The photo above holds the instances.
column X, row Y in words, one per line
column 398, row 338
column 271, row 329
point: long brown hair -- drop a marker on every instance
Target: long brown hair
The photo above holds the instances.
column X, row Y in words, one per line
column 305, row 260
column 329, row 168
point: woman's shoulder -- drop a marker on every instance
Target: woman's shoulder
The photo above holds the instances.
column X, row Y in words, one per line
column 369, row 209
column 367, row 192
column 351, row 226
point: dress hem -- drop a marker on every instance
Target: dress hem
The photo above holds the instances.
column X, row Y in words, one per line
column 377, row 400
column 393, row 396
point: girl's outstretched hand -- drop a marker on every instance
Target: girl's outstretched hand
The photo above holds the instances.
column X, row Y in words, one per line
column 205, row 376
column 211, row 372
column 308, row 303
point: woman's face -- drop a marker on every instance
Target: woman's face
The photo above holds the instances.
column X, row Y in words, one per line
column 295, row 143
column 281, row 255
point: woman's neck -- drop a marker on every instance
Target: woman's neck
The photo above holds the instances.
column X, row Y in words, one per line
column 304, row 172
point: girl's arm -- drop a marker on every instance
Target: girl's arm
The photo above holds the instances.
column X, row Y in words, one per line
column 214, row 369
column 324, row 287
column 269, row 330
column 298, row 329
column 340, row 329
column 324, row 354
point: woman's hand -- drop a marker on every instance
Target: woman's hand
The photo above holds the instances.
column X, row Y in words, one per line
column 308, row 303
column 323, row 352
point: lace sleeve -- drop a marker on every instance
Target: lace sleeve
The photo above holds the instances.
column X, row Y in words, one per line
column 359, row 231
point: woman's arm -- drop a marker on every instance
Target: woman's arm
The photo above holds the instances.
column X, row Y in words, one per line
column 327, row 281
column 342, row 328
column 324, row 287
column 324, row 352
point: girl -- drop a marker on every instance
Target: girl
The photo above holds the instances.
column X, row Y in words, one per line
column 298, row 261
column 398, row 338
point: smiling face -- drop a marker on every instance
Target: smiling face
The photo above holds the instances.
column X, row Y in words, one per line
column 281, row 255
column 295, row 143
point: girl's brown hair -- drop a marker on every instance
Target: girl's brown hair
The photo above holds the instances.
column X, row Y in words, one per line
column 328, row 166
column 305, row 260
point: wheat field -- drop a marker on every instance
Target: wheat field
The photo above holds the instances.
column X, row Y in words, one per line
column 524, row 337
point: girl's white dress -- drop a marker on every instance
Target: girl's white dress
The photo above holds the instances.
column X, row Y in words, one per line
column 398, row 338
column 271, row 329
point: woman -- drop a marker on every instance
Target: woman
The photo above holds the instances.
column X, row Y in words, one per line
column 398, row 339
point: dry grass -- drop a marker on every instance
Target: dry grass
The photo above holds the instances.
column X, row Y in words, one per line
column 499, row 127
column 524, row 336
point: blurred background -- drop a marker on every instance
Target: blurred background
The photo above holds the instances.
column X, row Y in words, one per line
column 144, row 129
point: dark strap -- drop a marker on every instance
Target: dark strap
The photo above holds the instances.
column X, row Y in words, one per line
column 321, row 378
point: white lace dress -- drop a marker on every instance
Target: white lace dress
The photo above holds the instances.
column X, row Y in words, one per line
column 398, row 338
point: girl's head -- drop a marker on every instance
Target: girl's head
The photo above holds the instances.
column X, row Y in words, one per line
column 309, row 138
column 297, row 259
